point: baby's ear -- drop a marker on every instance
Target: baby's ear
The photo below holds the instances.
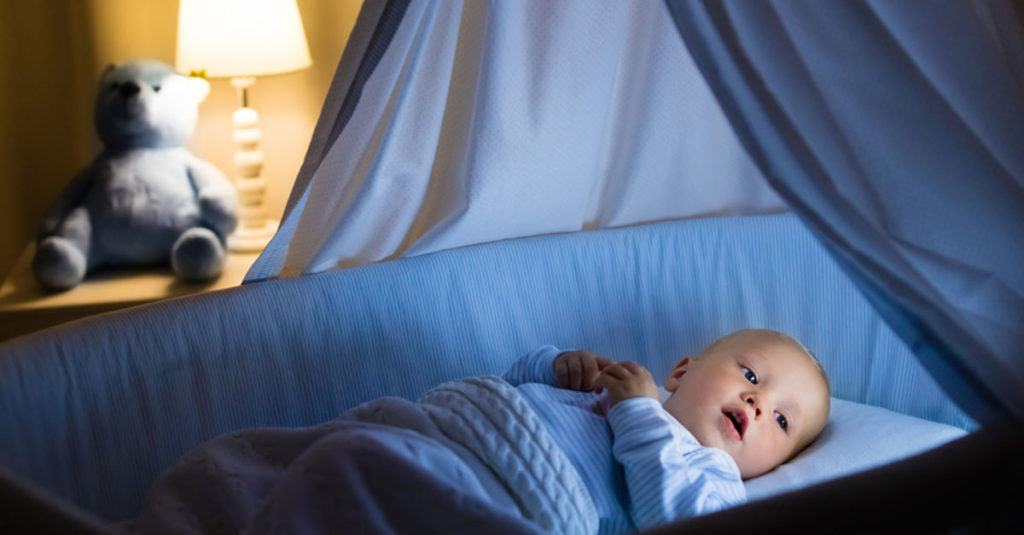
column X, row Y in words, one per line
column 679, row 370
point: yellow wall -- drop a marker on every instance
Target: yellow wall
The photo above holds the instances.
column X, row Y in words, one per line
column 51, row 55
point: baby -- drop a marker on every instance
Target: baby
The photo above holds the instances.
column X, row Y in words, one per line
column 746, row 404
column 564, row 442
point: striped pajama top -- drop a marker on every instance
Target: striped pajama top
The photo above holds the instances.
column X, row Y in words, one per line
column 641, row 466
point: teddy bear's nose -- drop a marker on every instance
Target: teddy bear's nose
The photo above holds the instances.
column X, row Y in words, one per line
column 128, row 89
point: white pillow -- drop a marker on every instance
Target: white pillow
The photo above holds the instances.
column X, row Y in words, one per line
column 857, row 437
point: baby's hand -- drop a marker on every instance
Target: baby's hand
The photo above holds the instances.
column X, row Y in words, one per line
column 627, row 380
column 577, row 370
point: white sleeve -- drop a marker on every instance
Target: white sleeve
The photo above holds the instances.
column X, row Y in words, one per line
column 537, row 366
column 670, row 476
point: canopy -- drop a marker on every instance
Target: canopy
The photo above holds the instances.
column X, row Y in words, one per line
column 893, row 129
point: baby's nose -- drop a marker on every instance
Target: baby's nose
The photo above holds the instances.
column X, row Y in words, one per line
column 752, row 401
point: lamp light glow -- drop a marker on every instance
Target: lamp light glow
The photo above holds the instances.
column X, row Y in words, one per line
column 242, row 39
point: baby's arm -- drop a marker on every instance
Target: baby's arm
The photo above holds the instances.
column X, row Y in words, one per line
column 670, row 476
column 536, row 366
column 573, row 370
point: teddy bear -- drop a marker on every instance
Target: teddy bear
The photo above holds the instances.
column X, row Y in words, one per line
column 145, row 199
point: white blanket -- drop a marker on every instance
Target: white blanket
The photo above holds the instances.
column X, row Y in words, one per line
column 386, row 466
column 490, row 418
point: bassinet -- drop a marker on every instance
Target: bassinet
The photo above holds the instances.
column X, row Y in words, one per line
column 93, row 410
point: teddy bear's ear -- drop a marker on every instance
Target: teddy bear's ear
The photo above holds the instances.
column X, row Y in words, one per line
column 200, row 87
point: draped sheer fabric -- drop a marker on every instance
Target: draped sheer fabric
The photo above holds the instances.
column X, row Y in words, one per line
column 896, row 131
column 483, row 121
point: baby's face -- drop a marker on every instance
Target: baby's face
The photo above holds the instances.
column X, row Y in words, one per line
column 754, row 396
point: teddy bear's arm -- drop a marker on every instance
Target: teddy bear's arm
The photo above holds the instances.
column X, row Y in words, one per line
column 218, row 200
column 69, row 198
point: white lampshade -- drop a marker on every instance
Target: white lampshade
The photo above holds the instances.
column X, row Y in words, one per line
column 241, row 37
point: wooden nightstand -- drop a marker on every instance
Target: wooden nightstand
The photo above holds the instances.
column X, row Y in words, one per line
column 25, row 308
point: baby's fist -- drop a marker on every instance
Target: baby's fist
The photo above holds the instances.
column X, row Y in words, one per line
column 627, row 380
column 577, row 370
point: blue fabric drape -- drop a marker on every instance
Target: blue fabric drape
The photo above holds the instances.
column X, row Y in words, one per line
column 896, row 131
column 460, row 122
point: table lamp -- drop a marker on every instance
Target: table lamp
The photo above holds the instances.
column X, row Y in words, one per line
column 242, row 39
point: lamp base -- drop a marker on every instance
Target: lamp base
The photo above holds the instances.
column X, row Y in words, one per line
column 252, row 239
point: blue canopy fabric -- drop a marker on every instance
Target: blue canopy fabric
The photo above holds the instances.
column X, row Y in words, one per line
column 895, row 130
column 461, row 122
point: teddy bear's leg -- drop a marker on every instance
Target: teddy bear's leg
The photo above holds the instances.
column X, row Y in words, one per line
column 63, row 259
column 197, row 255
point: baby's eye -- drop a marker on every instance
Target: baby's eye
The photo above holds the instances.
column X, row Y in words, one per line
column 783, row 423
column 751, row 376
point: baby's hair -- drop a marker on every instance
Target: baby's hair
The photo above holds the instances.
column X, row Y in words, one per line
column 793, row 342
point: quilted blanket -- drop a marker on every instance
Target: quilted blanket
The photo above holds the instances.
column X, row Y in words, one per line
column 469, row 456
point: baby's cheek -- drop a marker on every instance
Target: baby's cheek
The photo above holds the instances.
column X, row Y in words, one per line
column 771, row 456
column 752, row 466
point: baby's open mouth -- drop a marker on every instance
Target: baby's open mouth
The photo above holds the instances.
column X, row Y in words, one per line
column 738, row 420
